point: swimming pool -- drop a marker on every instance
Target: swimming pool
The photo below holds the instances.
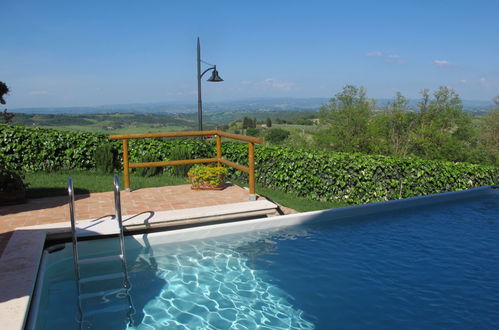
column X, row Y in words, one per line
column 423, row 265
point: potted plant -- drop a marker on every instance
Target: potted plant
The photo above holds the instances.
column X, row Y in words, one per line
column 207, row 177
column 12, row 187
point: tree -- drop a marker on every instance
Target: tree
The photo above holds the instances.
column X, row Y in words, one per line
column 444, row 130
column 348, row 115
column 269, row 122
column 246, row 122
column 4, row 90
column 391, row 129
column 489, row 133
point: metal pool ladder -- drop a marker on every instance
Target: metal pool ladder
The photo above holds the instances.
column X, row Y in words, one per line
column 103, row 295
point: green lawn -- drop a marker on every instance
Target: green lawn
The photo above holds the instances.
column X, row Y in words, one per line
column 43, row 184
column 291, row 200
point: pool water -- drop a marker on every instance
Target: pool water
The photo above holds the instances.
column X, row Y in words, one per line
column 427, row 268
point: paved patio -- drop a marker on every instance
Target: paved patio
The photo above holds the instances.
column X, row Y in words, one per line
column 96, row 205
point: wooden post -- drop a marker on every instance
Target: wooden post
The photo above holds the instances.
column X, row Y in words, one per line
column 126, row 176
column 251, row 163
column 219, row 150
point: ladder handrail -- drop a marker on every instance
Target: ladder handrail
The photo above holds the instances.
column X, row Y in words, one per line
column 71, row 196
column 126, row 283
column 117, row 205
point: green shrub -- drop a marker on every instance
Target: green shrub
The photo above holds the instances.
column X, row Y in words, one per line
column 355, row 178
column 277, row 135
column 104, row 157
column 37, row 149
column 180, row 152
column 149, row 171
column 252, row 131
column 11, row 180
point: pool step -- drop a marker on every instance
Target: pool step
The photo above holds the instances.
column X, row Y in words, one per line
column 102, row 294
column 101, row 278
column 112, row 281
column 108, row 309
column 100, row 259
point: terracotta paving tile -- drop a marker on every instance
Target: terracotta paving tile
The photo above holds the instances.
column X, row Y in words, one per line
column 96, row 205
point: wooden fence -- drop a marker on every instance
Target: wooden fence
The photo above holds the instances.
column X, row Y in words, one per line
column 218, row 159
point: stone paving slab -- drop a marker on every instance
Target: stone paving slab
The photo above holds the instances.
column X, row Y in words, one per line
column 99, row 205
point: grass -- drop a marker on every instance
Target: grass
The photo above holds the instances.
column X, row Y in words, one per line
column 42, row 184
column 293, row 201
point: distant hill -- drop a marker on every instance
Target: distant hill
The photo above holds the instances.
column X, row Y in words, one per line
column 262, row 104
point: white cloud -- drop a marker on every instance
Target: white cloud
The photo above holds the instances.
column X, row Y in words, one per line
column 387, row 57
column 374, row 53
column 463, row 81
column 485, row 82
column 277, row 84
column 269, row 83
column 441, row 63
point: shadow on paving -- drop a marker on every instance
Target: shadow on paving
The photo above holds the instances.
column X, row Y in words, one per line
column 58, row 198
column 4, row 239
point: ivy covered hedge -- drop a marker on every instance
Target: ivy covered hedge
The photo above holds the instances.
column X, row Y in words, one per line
column 34, row 149
column 358, row 178
column 353, row 178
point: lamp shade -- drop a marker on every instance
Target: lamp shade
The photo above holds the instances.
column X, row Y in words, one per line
column 214, row 76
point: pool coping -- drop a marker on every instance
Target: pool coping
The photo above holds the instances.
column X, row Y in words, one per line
column 18, row 269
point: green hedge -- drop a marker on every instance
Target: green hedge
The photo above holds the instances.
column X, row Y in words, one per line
column 352, row 178
column 41, row 149
column 37, row 149
column 357, row 178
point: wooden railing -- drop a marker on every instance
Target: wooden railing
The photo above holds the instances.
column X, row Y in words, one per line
column 218, row 159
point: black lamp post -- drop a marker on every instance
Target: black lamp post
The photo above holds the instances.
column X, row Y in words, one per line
column 214, row 78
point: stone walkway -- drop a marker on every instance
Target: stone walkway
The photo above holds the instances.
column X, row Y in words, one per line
column 55, row 209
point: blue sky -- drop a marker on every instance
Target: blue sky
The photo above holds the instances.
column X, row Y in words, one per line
column 84, row 53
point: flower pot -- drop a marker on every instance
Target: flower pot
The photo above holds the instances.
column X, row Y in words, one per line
column 207, row 177
column 205, row 185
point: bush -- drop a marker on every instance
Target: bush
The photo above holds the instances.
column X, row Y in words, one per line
column 104, row 157
column 356, row 178
column 277, row 135
column 11, row 180
column 252, row 132
column 149, row 171
column 180, row 152
column 38, row 149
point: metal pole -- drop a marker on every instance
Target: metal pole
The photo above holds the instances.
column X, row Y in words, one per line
column 200, row 105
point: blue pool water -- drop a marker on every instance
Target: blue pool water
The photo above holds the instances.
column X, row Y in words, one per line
column 428, row 268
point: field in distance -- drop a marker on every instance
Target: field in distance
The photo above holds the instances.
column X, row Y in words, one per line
column 129, row 123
